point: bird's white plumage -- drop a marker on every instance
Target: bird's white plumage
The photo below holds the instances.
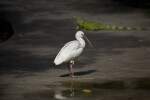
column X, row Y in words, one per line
column 71, row 50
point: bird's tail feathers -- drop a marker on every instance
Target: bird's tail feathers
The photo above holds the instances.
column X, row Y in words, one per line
column 58, row 61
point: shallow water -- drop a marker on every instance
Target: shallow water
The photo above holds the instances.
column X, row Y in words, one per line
column 127, row 89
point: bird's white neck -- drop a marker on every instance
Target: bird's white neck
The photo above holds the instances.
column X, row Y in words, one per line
column 81, row 41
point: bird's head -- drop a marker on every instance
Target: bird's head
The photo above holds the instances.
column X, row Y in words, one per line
column 81, row 34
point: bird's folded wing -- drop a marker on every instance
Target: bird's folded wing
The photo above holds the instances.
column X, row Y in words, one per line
column 67, row 48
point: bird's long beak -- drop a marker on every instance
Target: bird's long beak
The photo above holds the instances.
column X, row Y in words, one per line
column 87, row 40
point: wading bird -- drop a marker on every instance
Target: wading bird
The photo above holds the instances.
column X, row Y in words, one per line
column 72, row 50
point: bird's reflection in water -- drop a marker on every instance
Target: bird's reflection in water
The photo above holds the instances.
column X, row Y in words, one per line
column 75, row 90
column 71, row 89
column 67, row 93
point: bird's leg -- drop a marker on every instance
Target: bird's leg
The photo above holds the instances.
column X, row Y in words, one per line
column 71, row 69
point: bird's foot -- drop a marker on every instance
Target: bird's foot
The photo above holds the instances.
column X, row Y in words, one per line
column 74, row 76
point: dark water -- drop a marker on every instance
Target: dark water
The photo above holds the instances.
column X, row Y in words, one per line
column 127, row 89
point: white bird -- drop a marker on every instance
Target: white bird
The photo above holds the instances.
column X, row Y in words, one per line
column 72, row 50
